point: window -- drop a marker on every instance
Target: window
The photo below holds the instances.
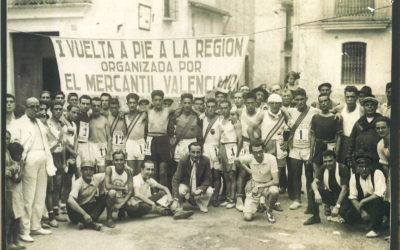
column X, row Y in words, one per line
column 353, row 62
column 171, row 10
column 353, row 7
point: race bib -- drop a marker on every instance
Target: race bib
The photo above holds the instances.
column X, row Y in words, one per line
column 301, row 136
column 331, row 146
column 147, row 149
column 231, row 151
column 118, row 138
column 245, row 149
column 83, row 135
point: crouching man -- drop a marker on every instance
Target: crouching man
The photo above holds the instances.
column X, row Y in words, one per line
column 148, row 202
column 330, row 186
column 192, row 179
column 367, row 189
column 87, row 200
column 264, row 181
column 118, row 183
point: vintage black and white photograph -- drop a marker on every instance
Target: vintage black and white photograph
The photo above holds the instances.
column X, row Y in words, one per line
column 198, row 124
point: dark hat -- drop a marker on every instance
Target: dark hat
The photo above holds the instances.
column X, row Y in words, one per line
column 366, row 90
column 144, row 101
column 363, row 156
column 168, row 100
column 325, row 84
column 260, row 89
column 369, row 99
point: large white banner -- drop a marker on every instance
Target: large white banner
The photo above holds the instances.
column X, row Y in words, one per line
column 176, row 66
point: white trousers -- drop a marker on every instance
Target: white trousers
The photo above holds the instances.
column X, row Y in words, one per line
column 201, row 200
column 34, row 184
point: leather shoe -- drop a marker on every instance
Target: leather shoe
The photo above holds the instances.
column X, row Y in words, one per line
column 312, row 220
column 182, row 214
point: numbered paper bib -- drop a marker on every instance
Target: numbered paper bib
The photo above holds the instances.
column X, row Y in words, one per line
column 245, row 148
column 101, row 158
column 231, row 151
column 301, row 136
column 147, row 149
column 83, row 135
column 331, row 146
column 118, row 138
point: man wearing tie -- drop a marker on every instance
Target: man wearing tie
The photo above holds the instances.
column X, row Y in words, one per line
column 192, row 179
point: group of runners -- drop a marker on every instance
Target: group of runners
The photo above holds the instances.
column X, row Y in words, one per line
column 72, row 158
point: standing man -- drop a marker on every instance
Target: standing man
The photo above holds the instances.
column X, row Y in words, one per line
column 211, row 132
column 199, row 106
column 187, row 128
column 72, row 98
column 31, row 134
column 239, row 102
column 261, row 98
column 59, row 96
column 349, row 114
column 192, row 179
column 136, row 125
column 10, row 107
column 105, row 104
column 264, row 181
column 386, row 107
column 287, row 99
column 118, row 183
column 99, row 143
column 300, row 141
column 87, row 200
column 157, row 142
column 82, row 125
column 117, row 126
column 331, row 187
column 231, row 136
column 364, row 137
column 326, row 89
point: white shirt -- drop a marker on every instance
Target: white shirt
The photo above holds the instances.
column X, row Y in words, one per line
column 143, row 187
column 301, row 137
column 214, row 134
column 384, row 153
column 367, row 187
column 260, row 172
column 349, row 119
column 385, row 110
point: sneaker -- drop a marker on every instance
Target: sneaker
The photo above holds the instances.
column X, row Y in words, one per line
column 26, row 238
column 295, row 205
column 41, row 232
column 372, row 234
column 109, row 223
column 61, row 218
column 182, row 214
column 53, row 223
column 224, row 204
column 312, row 220
column 230, row 205
column 277, row 207
column 270, row 216
column 239, row 204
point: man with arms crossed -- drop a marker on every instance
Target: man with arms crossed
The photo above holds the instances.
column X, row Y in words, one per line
column 117, row 126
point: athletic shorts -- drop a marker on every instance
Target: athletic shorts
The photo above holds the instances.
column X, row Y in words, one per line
column 135, row 149
column 182, row 149
column 245, row 148
column 228, row 156
column 320, row 147
column 212, row 152
column 58, row 162
column 94, row 152
column 158, row 148
column 302, row 154
column 253, row 196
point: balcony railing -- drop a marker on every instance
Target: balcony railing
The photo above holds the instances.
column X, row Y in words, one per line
column 357, row 10
column 45, row 2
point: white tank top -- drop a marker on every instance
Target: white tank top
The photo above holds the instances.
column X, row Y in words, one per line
column 349, row 119
column 228, row 133
column 214, row 134
column 245, row 119
column 117, row 179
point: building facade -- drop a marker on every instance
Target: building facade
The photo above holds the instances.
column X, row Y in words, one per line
column 32, row 66
column 349, row 44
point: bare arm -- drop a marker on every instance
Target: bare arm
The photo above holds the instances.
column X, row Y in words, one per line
column 75, row 206
column 165, row 189
column 109, row 140
column 108, row 183
column 343, row 193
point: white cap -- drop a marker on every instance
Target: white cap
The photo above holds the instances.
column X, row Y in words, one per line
column 274, row 98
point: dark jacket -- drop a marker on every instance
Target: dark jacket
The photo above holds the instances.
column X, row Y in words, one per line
column 184, row 169
column 364, row 138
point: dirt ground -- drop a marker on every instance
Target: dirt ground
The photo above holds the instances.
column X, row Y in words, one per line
column 219, row 229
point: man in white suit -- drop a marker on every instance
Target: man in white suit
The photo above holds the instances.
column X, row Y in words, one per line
column 38, row 163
